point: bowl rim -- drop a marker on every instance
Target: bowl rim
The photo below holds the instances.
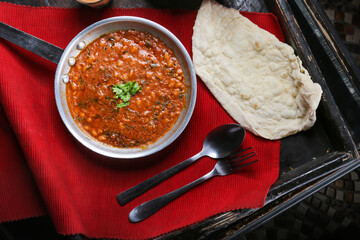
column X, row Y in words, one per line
column 84, row 140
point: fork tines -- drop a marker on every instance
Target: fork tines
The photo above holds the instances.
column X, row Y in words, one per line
column 237, row 160
column 241, row 151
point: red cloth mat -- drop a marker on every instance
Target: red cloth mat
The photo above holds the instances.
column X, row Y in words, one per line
column 77, row 187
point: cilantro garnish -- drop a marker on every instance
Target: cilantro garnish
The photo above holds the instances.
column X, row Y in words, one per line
column 123, row 104
column 125, row 91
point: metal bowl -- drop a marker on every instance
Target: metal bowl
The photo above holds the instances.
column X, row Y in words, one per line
column 93, row 32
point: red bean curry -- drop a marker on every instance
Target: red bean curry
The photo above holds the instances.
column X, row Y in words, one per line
column 126, row 89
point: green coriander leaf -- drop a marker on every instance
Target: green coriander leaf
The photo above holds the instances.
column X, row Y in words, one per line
column 124, row 92
column 125, row 96
column 117, row 90
column 136, row 88
column 124, row 104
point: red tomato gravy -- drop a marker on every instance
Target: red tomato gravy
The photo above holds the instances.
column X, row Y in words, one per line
column 117, row 58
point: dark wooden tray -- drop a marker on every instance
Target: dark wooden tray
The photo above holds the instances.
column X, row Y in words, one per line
column 309, row 160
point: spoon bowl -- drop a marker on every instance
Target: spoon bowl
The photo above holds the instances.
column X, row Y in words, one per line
column 223, row 141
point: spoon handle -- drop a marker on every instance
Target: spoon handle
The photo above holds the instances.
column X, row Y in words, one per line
column 147, row 209
column 132, row 193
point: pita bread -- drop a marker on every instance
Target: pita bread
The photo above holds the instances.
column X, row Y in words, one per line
column 256, row 78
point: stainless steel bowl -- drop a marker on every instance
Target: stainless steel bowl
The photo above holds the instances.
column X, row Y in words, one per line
column 93, row 32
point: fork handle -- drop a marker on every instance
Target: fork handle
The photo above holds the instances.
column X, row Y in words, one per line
column 132, row 193
column 147, row 209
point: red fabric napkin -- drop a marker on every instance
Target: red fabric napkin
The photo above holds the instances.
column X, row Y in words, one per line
column 77, row 187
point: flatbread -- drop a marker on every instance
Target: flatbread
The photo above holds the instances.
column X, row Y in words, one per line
column 256, row 78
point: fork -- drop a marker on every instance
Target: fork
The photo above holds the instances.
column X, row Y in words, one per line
column 222, row 168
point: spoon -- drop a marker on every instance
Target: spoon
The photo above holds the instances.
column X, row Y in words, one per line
column 221, row 142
